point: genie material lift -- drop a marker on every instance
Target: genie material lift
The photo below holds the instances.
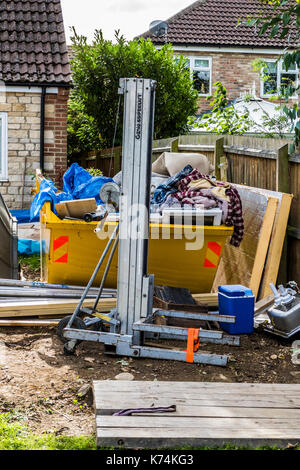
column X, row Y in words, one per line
column 124, row 330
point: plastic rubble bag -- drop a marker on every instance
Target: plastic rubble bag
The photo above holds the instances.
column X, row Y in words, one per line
column 77, row 184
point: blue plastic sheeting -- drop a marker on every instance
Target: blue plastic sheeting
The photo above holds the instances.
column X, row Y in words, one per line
column 28, row 247
column 23, row 216
column 77, row 184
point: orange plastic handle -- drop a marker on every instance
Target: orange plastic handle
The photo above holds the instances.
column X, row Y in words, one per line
column 192, row 344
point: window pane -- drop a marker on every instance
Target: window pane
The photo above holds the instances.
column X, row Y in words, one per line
column 270, row 85
column 201, row 82
column 202, row 63
column 291, row 68
column 187, row 61
column 287, row 79
column 271, row 67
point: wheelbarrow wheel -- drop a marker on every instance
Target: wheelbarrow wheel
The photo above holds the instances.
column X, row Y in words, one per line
column 78, row 324
column 88, row 217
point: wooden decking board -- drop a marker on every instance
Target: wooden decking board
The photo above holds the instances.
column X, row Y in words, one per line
column 223, row 412
column 224, row 387
column 207, row 414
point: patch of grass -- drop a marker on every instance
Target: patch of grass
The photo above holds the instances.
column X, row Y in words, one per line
column 16, row 436
column 30, row 261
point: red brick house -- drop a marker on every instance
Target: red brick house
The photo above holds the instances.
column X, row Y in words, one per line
column 35, row 80
column 218, row 50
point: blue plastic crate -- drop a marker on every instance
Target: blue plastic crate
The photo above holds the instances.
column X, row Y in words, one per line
column 237, row 301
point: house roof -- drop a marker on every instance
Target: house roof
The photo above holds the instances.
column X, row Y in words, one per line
column 33, row 47
column 214, row 23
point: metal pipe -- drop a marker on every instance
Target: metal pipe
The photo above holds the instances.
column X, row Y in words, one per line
column 17, row 283
column 42, row 129
column 45, row 294
column 86, row 290
column 106, row 271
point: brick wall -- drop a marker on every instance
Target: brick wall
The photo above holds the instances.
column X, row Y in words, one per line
column 56, row 111
column 234, row 70
column 23, row 110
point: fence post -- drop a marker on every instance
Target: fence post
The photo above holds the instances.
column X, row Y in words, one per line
column 219, row 152
column 117, row 166
column 282, row 169
column 282, row 186
column 174, row 145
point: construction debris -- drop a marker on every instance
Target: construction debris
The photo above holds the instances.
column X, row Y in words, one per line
column 23, row 299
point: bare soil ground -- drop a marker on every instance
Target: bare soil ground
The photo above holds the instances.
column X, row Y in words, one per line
column 41, row 384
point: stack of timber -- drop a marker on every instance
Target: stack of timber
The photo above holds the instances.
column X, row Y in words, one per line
column 47, row 311
column 25, row 303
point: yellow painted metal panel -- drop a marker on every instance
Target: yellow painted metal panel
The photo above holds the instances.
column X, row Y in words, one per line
column 71, row 250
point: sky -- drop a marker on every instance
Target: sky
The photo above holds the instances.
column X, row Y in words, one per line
column 131, row 17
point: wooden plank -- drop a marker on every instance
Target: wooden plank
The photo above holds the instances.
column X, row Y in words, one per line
column 250, row 388
column 262, row 305
column 29, row 323
column 276, row 245
column 134, row 400
column 210, row 299
column 64, row 306
column 162, row 438
column 260, row 425
column 76, row 208
column 219, row 412
column 263, row 244
column 49, row 307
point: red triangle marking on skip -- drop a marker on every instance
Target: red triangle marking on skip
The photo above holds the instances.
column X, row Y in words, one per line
column 215, row 247
column 208, row 264
column 60, row 242
column 62, row 259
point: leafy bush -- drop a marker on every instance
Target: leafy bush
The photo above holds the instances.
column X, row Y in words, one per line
column 223, row 119
column 97, row 69
column 284, row 23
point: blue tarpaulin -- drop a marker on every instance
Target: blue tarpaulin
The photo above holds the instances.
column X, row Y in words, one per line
column 28, row 247
column 77, row 184
column 23, row 216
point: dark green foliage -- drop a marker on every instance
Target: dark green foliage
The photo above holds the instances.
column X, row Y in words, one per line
column 97, row 69
column 223, row 118
column 30, row 261
column 285, row 14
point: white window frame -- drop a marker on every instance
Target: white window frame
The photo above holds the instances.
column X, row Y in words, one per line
column 280, row 70
column 4, row 149
column 204, row 69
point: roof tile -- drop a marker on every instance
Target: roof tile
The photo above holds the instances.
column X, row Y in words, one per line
column 214, row 23
column 32, row 42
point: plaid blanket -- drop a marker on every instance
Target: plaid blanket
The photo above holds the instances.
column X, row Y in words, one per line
column 234, row 217
column 170, row 186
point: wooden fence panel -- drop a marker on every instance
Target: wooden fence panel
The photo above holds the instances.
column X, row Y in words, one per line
column 252, row 171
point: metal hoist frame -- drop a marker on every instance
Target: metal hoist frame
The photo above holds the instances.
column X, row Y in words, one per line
column 131, row 322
